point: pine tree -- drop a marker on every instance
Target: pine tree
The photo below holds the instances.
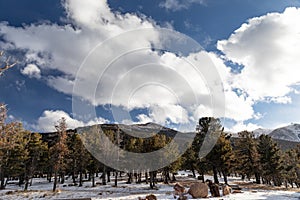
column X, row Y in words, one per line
column 59, row 151
column 218, row 157
column 270, row 159
column 78, row 157
column 19, row 154
column 3, row 145
column 37, row 156
column 13, row 152
column 191, row 158
column 291, row 172
column 246, row 156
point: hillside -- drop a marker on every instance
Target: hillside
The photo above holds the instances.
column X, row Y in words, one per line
column 289, row 133
column 285, row 136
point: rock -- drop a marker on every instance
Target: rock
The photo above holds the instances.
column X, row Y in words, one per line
column 151, row 197
column 182, row 197
column 198, row 190
column 236, row 191
column 179, row 189
column 226, row 190
column 214, row 188
column 9, row 192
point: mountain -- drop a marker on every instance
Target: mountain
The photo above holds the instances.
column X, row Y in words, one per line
column 262, row 131
column 286, row 137
column 136, row 130
column 289, row 133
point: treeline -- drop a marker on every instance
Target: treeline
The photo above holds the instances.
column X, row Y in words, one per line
column 24, row 155
column 249, row 157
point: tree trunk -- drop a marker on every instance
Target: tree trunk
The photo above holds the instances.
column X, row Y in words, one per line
column 2, row 179
column 193, row 171
column 216, row 180
column 80, row 178
column 152, row 180
column 243, row 177
column 139, row 177
column 55, row 181
column 21, row 180
column 73, row 178
column 108, row 176
column 104, row 176
column 26, row 183
column 225, row 177
column 257, row 177
column 173, row 177
column 49, row 176
column 93, row 179
column 116, row 178
column 62, row 178
column 166, row 176
column 90, row 175
column 129, row 181
column 146, row 177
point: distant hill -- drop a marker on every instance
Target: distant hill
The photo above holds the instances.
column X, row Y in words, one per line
column 286, row 137
column 136, row 130
column 289, row 133
column 262, row 131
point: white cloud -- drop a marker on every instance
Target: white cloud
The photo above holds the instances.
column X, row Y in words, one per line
column 268, row 48
column 49, row 119
column 240, row 126
column 129, row 74
column 144, row 119
column 281, row 100
column 169, row 93
column 175, row 5
column 32, row 71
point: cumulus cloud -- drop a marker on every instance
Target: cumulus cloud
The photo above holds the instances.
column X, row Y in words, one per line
column 169, row 93
column 124, row 70
column 32, row 71
column 49, row 119
column 175, row 5
column 241, row 126
column 267, row 47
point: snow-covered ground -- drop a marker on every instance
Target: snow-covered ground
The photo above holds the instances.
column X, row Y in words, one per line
column 41, row 189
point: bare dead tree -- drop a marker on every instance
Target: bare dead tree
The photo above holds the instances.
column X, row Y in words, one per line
column 7, row 64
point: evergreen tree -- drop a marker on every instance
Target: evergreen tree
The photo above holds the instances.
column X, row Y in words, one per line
column 291, row 172
column 270, row 159
column 59, row 151
column 211, row 130
column 13, row 152
column 220, row 157
column 78, row 157
column 246, row 156
column 191, row 158
column 37, row 156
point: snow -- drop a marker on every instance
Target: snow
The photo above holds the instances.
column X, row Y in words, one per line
column 41, row 189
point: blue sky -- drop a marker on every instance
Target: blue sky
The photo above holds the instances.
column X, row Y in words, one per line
column 60, row 45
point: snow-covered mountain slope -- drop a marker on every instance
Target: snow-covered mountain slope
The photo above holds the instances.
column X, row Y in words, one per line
column 262, row 131
column 290, row 133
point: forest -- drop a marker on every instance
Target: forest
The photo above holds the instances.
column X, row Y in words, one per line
column 25, row 155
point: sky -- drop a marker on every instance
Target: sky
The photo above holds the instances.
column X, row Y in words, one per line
column 164, row 61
